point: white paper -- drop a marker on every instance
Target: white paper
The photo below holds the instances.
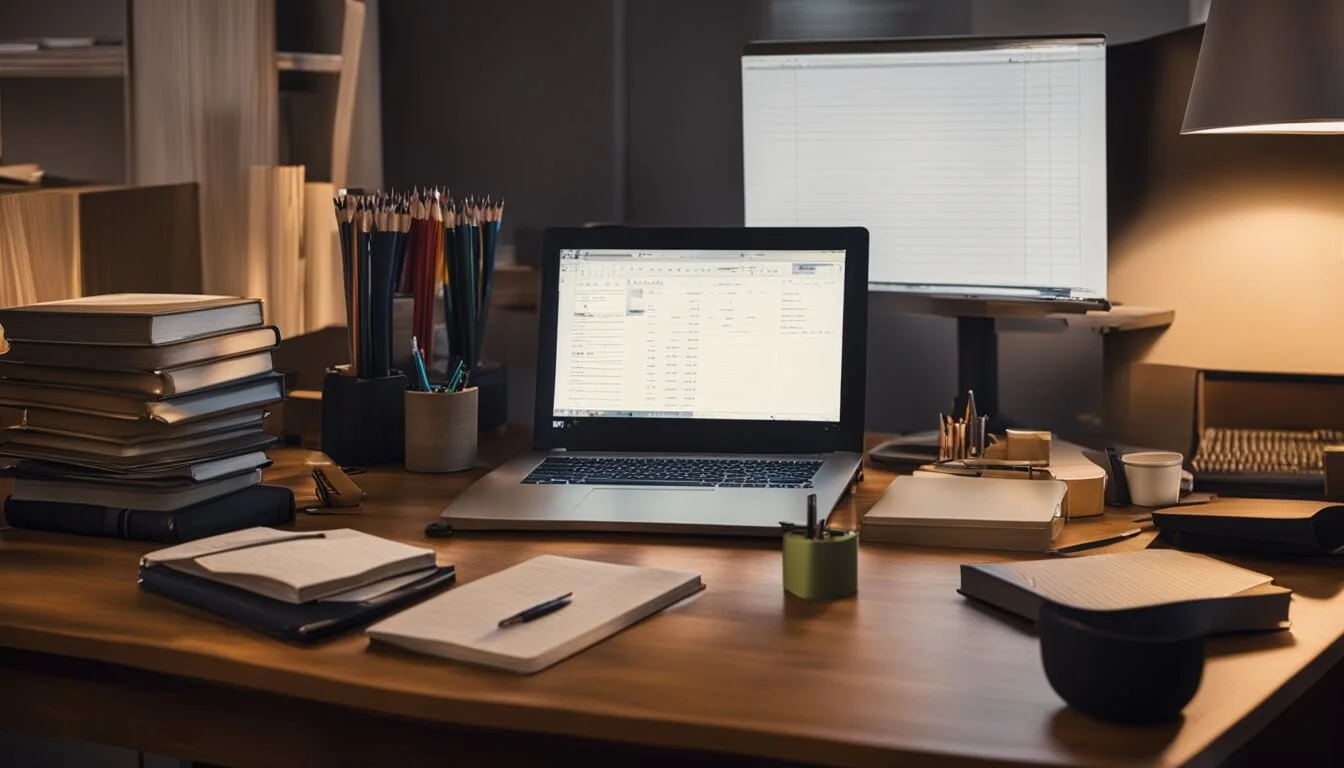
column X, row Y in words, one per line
column 1129, row 579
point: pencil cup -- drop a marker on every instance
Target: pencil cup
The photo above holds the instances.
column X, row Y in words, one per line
column 821, row 569
column 363, row 423
column 441, row 430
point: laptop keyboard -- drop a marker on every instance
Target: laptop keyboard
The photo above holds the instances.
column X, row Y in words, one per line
column 699, row 473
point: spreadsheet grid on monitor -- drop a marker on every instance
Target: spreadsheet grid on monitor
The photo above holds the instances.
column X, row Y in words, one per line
column 699, row 334
column 976, row 170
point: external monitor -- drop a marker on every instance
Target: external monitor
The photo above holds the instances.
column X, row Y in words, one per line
column 978, row 165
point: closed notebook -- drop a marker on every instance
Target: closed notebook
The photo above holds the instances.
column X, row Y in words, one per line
column 463, row 624
column 968, row 513
column 1255, row 525
column 204, row 471
column 127, row 432
column 147, row 385
column 231, row 445
column 255, row 506
column 156, row 499
column 144, row 358
column 172, row 410
column 294, row 567
column 1231, row 599
column 302, row 623
column 132, row 319
column 17, row 436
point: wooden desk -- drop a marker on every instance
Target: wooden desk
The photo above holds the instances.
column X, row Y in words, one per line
column 908, row 673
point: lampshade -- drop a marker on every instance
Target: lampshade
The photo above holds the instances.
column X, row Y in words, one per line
column 1269, row 66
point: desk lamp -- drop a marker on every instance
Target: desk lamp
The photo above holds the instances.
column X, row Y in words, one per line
column 1269, row 67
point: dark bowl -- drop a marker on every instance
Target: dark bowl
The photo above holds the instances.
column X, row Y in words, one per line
column 1138, row 666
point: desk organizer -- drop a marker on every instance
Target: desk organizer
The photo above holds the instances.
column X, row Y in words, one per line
column 492, row 381
column 821, row 569
column 441, row 430
column 363, row 420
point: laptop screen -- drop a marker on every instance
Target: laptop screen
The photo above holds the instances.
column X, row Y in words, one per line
column 699, row 334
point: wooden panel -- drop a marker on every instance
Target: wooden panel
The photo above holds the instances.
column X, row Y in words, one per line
column 141, row 239
column 204, row 101
column 907, row 671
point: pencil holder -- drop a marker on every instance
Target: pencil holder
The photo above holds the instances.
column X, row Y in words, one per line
column 363, row 420
column 821, row 569
column 441, row 430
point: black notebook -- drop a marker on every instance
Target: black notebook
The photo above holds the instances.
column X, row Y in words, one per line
column 260, row 505
column 304, row 622
column 1270, row 526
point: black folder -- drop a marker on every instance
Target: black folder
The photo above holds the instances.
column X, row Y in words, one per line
column 302, row 623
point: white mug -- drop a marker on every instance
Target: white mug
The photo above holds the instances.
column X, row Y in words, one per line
column 1154, row 477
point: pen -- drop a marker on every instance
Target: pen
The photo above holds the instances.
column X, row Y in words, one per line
column 1131, row 533
column 537, row 611
column 420, row 365
column 812, row 516
column 456, row 377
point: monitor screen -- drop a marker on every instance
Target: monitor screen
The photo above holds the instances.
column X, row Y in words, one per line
column 699, row 334
column 978, row 166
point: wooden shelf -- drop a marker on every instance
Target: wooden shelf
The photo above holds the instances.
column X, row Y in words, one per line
column 98, row 61
column 290, row 61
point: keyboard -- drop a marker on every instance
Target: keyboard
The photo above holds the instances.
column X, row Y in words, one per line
column 698, row 473
column 1264, row 451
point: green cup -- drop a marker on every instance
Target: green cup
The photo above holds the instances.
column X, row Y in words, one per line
column 821, row 569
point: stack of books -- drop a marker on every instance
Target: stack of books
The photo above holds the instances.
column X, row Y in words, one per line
column 143, row 415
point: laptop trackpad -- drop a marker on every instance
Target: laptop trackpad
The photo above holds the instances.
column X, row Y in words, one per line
column 644, row 505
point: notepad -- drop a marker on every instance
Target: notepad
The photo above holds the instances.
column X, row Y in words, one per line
column 295, row 567
column 462, row 624
column 968, row 512
column 1235, row 598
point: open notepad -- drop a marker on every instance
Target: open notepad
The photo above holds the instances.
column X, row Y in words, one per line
column 463, row 624
column 294, row 567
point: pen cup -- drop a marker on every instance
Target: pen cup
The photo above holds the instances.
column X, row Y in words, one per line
column 821, row 569
column 362, row 421
column 441, row 430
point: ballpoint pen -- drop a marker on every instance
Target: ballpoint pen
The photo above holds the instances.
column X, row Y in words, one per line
column 812, row 516
column 1131, row 533
column 537, row 611
column 419, row 361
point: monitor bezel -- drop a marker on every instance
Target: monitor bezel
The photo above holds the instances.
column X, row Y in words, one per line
column 708, row 435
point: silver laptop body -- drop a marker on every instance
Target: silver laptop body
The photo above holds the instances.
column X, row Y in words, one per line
column 701, row 380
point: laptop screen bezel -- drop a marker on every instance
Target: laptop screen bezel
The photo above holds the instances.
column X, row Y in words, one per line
column 708, row 435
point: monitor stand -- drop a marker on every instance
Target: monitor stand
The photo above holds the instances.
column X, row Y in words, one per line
column 977, row 366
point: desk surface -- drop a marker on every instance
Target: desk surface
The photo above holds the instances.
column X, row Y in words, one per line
column 907, row 669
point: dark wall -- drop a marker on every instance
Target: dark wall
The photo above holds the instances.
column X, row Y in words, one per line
column 73, row 127
column 509, row 97
column 630, row 110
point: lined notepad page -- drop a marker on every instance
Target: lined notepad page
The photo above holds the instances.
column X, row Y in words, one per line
column 310, row 562
column 1129, row 579
column 463, row 622
column 969, row 167
column 247, row 537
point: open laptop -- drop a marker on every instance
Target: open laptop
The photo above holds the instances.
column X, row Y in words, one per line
column 689, row 380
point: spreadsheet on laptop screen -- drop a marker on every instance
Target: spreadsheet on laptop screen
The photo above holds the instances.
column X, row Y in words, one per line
column 697, row 334
column 976, row 171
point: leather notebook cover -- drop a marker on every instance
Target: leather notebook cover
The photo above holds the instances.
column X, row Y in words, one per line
column 258, row 505
column 1255, row 525
column 302, row 623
